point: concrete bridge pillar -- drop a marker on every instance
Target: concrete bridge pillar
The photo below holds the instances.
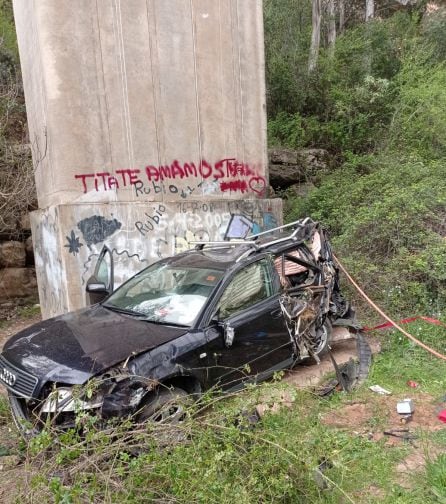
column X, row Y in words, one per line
column 148, row 129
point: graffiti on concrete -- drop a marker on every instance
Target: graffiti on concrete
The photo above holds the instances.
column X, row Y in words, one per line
column 96, row 229
column 159, row 243
column 88, row 264
column 227, row 175
column 269, row 222
column 185, row 241
column 142, row 189
column 147, row 232
column 74, row 245
column 106, row 181
column 150, row 220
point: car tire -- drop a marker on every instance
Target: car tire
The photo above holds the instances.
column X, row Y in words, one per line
column 324, row 339
column 164, row 405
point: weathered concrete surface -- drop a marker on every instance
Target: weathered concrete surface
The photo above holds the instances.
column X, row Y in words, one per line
column 69, row 238
column 144, row 99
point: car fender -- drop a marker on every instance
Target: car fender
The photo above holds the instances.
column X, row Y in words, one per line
column 182, row 357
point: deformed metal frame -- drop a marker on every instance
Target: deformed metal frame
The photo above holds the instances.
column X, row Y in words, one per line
column 299, row 224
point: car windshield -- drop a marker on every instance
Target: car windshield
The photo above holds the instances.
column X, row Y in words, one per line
column 166, row 293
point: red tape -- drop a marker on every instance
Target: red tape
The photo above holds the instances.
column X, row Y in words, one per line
column 430, row 320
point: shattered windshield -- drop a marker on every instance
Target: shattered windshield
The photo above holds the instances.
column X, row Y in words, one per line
column 165, row 293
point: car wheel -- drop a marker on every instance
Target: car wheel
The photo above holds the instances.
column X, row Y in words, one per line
column 164, row 405
column 323, row 339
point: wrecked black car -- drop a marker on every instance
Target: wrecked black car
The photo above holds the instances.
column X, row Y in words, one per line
column 218, row 315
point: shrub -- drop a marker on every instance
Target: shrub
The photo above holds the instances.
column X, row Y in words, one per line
column 386, row 215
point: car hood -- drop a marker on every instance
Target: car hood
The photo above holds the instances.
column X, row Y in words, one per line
column 73, row 347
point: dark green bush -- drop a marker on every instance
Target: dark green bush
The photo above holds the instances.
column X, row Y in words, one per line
column 386, row 215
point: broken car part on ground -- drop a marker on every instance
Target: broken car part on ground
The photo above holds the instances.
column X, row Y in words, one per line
column 219, row 315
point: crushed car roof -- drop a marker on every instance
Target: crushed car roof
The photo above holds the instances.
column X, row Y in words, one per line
column 222, row 254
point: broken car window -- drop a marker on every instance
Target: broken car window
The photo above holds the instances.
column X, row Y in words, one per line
column 166, row 293
column 249, row 286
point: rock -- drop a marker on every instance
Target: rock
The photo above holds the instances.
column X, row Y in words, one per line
column 283, row 176
column 288, row 167
column 25, row 223
column 314, row 160
column 12, row 254
column 29, row 251
column 301, row 190
column 283, row 156
column 17, row 283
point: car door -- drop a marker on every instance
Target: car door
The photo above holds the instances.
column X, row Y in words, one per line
column 101, row 283
column 249, row 309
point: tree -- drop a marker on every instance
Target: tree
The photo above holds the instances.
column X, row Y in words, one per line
column 341, row 7
column 369, row 9
column 331, row 26
column 315, row 36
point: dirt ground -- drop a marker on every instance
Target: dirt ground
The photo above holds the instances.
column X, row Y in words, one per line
column 360, row 418
column 12, row 323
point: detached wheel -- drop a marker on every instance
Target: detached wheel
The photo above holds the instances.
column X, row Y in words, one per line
column 167, row 406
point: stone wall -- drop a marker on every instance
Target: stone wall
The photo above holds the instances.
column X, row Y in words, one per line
column 17, row 274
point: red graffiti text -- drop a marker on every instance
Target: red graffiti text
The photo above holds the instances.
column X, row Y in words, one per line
column 231, row 175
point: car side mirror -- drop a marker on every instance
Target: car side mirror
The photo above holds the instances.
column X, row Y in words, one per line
column 97, row 287
column 97, row 291
column 229, row 333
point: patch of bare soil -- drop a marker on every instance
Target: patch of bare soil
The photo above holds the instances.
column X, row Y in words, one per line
column 12, row 471
column 415, row 462
column 378, row 415
column 381, row 410
column 12, row 323
column 11, row 480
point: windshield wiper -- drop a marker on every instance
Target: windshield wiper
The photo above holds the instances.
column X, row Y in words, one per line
column 125, row 311
column 160, row 322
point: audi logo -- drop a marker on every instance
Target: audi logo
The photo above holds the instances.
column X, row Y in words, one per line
column 8, row 377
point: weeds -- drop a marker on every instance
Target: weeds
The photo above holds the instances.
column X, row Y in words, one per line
column 28, row 311
column 218, row 455
column 4, row 411
column 436, row 477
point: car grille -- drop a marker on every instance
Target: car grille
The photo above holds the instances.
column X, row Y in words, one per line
column 17, row 380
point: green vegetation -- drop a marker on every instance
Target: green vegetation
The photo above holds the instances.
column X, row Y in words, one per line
column 4, row 411
column 222, row 457
column 378, row 107
column 17, row 194
column 28, row 311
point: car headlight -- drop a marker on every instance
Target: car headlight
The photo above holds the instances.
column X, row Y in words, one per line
column 62, row 399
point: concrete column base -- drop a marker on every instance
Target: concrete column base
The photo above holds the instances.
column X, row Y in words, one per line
column 69, row 238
